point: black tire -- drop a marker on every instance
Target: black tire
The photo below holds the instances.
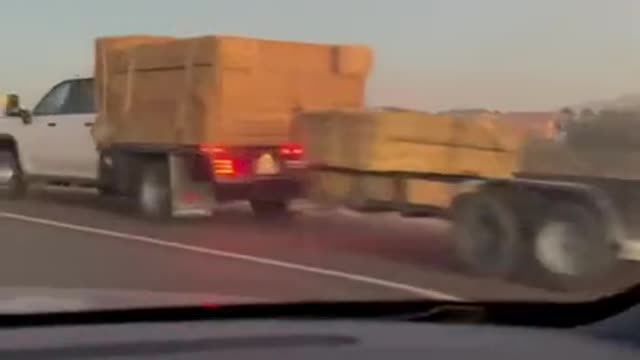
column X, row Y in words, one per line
column 15, row 186
column 572, row 248
column 487, row 234
column 106, row 191
column 154, row 192
column 106, row 186
column 269, row 208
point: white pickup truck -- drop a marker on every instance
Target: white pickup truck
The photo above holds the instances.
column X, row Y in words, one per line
column 53, row 144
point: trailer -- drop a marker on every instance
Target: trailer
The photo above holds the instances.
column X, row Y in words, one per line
column 569, row 214
column 522, row 205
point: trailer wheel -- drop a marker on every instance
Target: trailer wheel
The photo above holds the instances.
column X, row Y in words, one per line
column 154, row 193
column 487, row 234
column 11, row 176
column 572, row 248
column 269, row 208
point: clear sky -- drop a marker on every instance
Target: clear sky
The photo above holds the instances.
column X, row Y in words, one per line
column 430, row 54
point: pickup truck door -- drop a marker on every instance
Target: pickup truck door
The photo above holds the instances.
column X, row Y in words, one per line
column 74, row 128
column 59, row 142
column 36, row 144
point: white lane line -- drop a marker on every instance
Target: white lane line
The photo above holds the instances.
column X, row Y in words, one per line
column 422, row 292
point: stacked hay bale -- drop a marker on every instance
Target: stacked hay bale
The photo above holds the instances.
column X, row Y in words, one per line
column 379, row 158
column 220, row 90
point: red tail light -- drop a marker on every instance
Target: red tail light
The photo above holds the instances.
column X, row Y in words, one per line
column 292, row 152
column 223, row 161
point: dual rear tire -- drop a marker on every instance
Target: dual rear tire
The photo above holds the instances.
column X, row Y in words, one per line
column 487, row 235
column 562, row 246
column 153, row 194
column 572, row 248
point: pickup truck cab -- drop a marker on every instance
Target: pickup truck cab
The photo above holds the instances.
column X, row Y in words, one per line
column 53, row 144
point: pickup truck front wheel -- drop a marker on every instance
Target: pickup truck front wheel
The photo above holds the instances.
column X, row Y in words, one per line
column 11, row 178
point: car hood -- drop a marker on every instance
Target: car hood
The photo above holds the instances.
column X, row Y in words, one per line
column 43, row 300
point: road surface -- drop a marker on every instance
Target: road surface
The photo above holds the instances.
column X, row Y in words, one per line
column 71, row 240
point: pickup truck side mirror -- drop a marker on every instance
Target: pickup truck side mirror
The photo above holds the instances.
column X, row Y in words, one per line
column 11, row 104
column 25, row 115
column 12, row 108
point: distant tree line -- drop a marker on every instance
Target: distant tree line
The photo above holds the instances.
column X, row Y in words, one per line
column 588, row 114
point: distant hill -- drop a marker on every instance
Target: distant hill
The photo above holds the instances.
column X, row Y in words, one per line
column 396, row 109
column 465, row 112
column 624, row 102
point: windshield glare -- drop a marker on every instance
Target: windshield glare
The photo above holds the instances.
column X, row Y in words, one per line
column 434, row 150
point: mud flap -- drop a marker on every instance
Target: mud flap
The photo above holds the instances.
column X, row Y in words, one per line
column 189, row 197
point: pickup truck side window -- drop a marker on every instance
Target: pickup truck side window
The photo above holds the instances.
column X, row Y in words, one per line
column 81, row 100
column 54, row 102
column 69, row 97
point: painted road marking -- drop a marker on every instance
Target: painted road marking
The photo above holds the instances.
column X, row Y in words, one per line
column 422, row 292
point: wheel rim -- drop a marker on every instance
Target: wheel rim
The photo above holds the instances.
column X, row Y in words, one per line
column 7, row 173
column 560, row 247
column 152, row 195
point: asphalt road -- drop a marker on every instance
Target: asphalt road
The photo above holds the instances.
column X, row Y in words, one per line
column 72, row 240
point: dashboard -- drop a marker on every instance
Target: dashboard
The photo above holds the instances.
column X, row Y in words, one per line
column 614, row 338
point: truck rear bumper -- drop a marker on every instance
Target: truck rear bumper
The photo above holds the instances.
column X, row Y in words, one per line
column 197, row 195
column 260, row 189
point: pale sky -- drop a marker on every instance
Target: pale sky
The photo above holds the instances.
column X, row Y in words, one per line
column 430, row 54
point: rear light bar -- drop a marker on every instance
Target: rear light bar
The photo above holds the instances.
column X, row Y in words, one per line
column 221, row 160
column 291, row 149
column 229, row 162
column 224, row 167
column 292, row 152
